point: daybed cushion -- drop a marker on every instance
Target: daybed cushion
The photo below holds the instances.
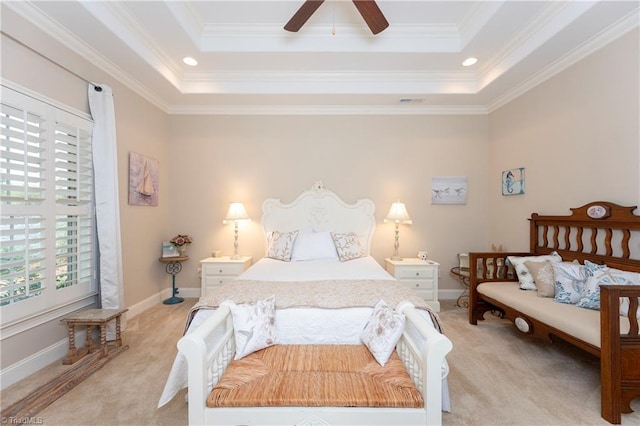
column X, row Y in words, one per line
column 524, row 276
column 315, row 375
column 542, row 273
column 581, row 323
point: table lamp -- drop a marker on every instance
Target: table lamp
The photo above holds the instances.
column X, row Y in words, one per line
column 236, row 214
column 398, row 214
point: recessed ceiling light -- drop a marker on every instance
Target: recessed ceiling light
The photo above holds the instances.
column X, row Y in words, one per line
column 190, row 61
column 469, row 61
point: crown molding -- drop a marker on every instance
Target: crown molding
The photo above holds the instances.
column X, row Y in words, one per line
column 50, row 27
column 545, row 25
column 476, row 19
column 608, row 35
column 328, row 110
column 361, row 82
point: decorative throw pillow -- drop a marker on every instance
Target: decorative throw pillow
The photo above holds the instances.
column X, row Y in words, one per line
column 569, row 279
column 524, row 276
column 254, row 326
column 382, row 332
column 280, row 245
column 542, row 273
column 600, row 274
column 310, row 245
column 347, row 245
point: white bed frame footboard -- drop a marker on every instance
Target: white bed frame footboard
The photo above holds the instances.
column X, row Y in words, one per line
column 210, row 348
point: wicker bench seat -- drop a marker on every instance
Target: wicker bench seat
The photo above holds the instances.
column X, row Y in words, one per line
column 315, row 375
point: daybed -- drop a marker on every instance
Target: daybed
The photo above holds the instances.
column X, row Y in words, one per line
column 596, row 234
column 321, row 298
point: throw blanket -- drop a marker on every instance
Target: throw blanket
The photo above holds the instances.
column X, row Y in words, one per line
column 315, row 294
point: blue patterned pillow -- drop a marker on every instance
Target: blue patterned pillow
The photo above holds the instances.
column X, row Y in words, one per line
column 569, row 281
column 601, row 274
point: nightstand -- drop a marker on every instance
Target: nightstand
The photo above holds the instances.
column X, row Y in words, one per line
column 218, row 271
column 419, row 275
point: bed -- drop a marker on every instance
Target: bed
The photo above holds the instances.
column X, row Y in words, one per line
column 322, row 303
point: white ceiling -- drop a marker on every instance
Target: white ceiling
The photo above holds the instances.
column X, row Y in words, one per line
column 249, row 64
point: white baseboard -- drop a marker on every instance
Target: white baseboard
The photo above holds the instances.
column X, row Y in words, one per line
column 449, row 294
column 24, row 368
column 30, row 365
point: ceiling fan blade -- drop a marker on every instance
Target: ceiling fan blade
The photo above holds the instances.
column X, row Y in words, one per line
column 302, row 15
column 372, row 15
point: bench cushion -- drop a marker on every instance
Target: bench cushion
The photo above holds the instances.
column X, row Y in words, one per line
column 581, row 323
column 315, row 375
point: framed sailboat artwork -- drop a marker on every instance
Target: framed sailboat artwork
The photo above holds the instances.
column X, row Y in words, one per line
column 143, row 180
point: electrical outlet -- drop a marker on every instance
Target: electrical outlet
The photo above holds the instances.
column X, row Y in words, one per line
column 199, row 271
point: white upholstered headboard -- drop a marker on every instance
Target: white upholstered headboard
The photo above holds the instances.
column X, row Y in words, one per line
column 321, row 210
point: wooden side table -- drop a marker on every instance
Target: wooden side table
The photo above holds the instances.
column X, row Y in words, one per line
column 89, row 318
column 173, row 266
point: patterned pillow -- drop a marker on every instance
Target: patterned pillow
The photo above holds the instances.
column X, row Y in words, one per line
column 542, row 273
column 524, row 277
column 348, row 246
column 600, row 274
column 254, row 326
column 382, row 332
column 569, row 278
column 280, row 245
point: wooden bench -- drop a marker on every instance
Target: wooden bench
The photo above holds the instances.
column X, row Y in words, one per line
column 90, row 318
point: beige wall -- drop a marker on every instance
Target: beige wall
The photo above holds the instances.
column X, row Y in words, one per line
column 219, row 159
column 141, row 127
column 578, row 137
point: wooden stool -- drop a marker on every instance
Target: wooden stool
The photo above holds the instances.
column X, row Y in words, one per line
column 89, row 318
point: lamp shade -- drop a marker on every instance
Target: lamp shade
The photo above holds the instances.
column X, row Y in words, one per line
column 236, row 213
column 398, row 214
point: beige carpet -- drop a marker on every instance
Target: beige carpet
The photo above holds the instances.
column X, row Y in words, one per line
column 498, row 377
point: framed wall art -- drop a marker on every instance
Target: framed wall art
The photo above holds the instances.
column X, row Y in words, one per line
column 143, row 180
column 449, row 190
column 513, row 181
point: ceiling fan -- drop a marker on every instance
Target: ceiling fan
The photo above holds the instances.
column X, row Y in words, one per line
column 369, row 10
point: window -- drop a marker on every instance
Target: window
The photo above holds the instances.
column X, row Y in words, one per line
column 47, row 230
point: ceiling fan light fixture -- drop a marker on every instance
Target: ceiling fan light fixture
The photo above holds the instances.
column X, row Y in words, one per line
column 190, row 61
column 469, row 61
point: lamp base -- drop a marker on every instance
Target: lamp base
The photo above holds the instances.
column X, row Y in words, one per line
column 396, row 258
column 236, row 257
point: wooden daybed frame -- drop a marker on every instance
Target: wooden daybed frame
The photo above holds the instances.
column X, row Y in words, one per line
column 603, row 233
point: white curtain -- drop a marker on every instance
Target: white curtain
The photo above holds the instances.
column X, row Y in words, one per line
column 105, row 166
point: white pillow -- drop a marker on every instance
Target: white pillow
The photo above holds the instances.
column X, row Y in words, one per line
column 254, row 326
column 310, row 245
column 382, row 332
column 348, row 246
column 524, row 276
column 280, row 245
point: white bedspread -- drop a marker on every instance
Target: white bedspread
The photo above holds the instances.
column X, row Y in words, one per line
column 302, row 325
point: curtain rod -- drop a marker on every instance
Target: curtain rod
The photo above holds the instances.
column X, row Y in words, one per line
column 95, row 86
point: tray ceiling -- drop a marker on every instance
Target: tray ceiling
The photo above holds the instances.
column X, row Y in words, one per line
column 247, row 62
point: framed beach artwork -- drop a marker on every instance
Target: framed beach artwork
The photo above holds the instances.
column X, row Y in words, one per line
column 449, row 190
column 513, row 181
column 143, row 180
